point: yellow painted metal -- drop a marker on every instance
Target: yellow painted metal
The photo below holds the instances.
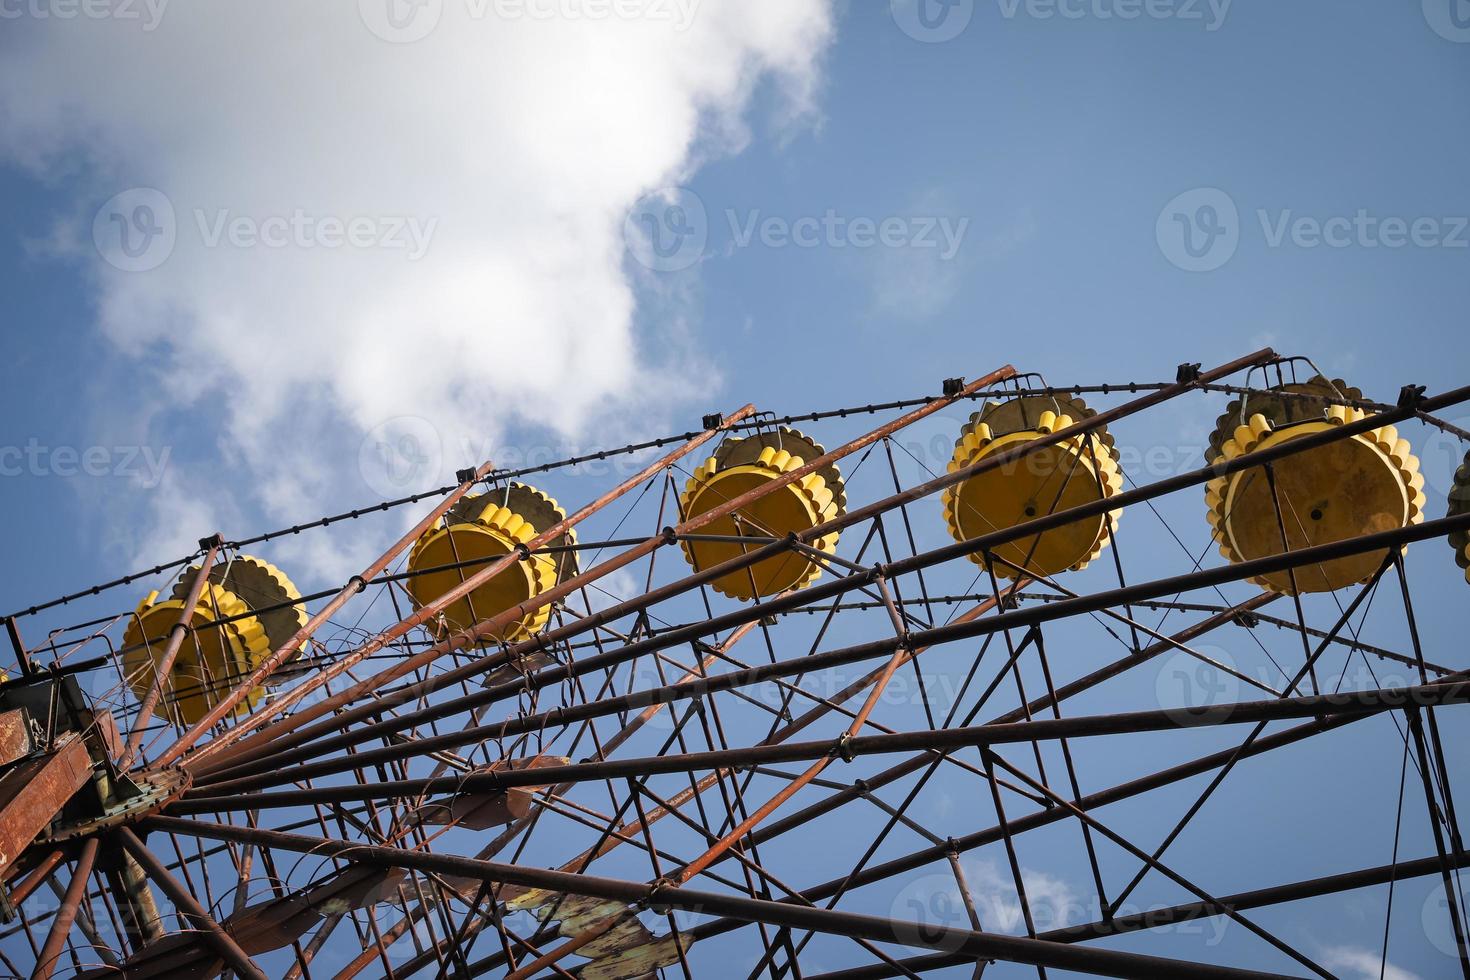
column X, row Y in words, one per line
column 1460, row 504
column 740, row 466
column 260, row 585
column 1355, row 486
column 210, row 661
column 1077, row 471
column 479, row 530
column 627, row 950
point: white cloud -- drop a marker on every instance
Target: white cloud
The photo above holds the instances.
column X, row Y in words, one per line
column 1052, row 900
column 509, row 148
column 1356, row 962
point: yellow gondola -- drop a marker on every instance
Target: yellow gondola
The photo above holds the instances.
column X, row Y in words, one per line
column 1460, row 504
column 1076, row 471
column 477, row 531
column 214, row 657
column 740, row 466
column 1359, row 485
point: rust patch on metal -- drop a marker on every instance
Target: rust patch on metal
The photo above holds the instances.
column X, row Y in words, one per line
column 34, row 791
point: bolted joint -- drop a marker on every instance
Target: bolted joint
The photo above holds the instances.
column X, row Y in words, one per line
column 713, row 420
column 213, row 541
column 1247, row 619
column 843, row 748
column 953, row 387
column 652, row 903
column 1411, row 396
column 466, row 475
column 522, row 551
column 358, row 583
column 669, row 535
column 1187, row 374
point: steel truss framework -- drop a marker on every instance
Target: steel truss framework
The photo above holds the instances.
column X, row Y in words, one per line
column 635, row 791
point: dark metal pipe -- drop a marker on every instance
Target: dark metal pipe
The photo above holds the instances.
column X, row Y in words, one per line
column 222, row 941
column 979, row 944
column 989, row 541
column 1155, row 918
column 1020, row 618
column 992, row 462
column 1242, row 712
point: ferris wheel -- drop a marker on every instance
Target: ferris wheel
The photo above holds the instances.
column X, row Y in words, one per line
column 969, row 682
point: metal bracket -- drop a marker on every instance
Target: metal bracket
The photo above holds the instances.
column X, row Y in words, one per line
column 843, row 748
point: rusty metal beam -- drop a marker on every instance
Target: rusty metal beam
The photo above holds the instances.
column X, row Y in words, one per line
column 288, row 649
column 222, row 746
column 854, row 654
column 1353, row 703
column 214, row 933
column 164, row 665
column 625, row 558
column 35, row 790
column 71, row 903
column 1164, row 917
column 874, row 928
column 15, row 736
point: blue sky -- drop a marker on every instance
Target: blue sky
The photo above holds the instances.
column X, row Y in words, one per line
column 1036, row 173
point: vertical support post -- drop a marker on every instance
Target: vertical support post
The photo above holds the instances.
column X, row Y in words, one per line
column 165, row 664
column 76, row 894
column 21, row 658
column 223, row 943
